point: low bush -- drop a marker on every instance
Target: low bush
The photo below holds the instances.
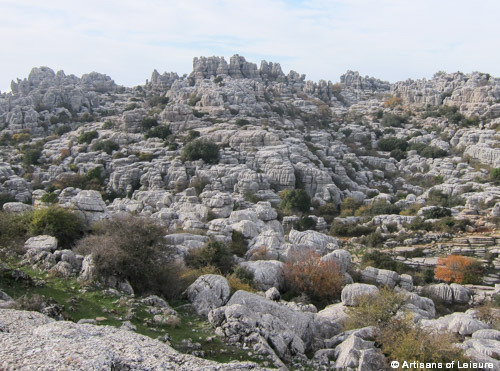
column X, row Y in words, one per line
column 380, row 260
column 459, row 269
column 320, row 280
column 239, row 246
column 294, row 200
column 349, row 206
column 392, row 143
column 495, row 175
column 162, row 132
column 201, row 149
column 107, row 146
column 350, row 230
column 437, row 213
column 242, row 122
column 64, row 224
column 393, row 120
column 213, row 254
column 87, row 137
column 134, row 249
column 49, row 197
column 31, row 156
column 427, row 151
column 375, row 310
column 148, row 123
column 402, row 340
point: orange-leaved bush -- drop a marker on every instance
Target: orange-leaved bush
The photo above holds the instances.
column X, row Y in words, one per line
column 320, row 280
column 458, row 269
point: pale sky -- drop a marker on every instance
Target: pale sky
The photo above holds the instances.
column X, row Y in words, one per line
column 389, row 39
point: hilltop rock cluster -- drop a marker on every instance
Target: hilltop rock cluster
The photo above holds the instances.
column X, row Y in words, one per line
column 408, row 172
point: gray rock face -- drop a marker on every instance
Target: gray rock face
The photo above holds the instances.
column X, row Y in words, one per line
column 266, row 273
column 208, row 292
column 461, row 323
column 88, row 347
column 342, row 257
column 351, row 293
column 41, row 243
column 253, row 319
column 316, row 241
column 354, row 353
column 17, row 207
column 453, row 293
column 90, row 205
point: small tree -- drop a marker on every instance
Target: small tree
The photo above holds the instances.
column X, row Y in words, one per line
column 495, row 175
column 458, row 269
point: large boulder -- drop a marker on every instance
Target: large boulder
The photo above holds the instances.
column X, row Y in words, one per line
column 208, row 292
column 41, row 243
column 266, row 273
column 90, row 205
column 319, row 242
column 271, row 327
column 351, row 293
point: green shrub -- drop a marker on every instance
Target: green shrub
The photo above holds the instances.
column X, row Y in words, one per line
column 294, row 200
column 108, row 125
column 306, row 223
column 438, row 198
column 350, row 230
column 398, row 154
column 379, row 207
column 437, row 213
column 162, row 132
column 87, row 137
column 201, row 149
column 193, row 99
column 146, row 156
column 349, row 206
column 134, row 249
column 191, row 135
column 495, row 175
column 380, row 260
column 214, row 254
column 393, row 120
column 148, row 122
column 61, row 223
column 31, row 156
column 244, row 275
column 428, row 151
column 392, row 143
column 107, row 146
column 239, row 246
column 95, row 173
column 375, row 310
column 242, row 122
column 5, row 197
column 328, row 211
column 49, row 197
column 218, row 79
column 374, row 239
column 62, row 130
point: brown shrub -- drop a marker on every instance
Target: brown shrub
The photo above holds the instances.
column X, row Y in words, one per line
column 134, row 249
column 320, row 280
column 458, row 269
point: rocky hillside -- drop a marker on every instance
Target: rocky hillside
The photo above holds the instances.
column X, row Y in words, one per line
column 384, row 181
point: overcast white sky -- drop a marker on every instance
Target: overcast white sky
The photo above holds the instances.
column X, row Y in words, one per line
column 389, row 39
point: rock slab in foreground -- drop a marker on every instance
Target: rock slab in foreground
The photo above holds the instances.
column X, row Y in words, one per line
column 30, row 340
